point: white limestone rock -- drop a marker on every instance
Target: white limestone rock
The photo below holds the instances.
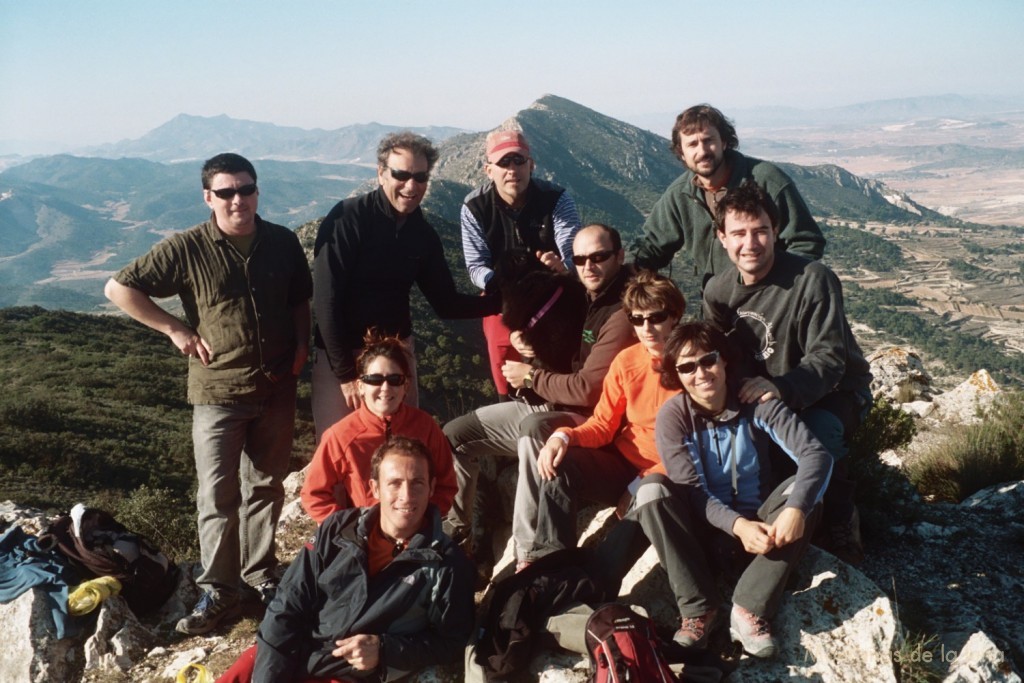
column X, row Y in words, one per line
column 647, row 584
column 32, row 520
column 31, row 652
column 980, row 660
column 899, row 375
column 291, row 512
column 1006, row 499
column 119, row 641
column 968, row 400
column 918, row 408
column 293, row 484
column 837, row 627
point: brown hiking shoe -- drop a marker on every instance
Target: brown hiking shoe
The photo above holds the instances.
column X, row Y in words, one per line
column 694, row 632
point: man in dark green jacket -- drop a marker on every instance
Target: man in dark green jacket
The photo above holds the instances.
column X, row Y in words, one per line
column 705, row 141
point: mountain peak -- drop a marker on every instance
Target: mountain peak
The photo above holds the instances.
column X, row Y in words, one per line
column 558, row 104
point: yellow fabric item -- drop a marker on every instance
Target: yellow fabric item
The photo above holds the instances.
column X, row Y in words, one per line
column 87, row 596
column 202, row 674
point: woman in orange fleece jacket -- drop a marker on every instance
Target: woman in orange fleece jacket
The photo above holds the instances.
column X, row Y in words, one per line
column 339, row 475
column 605, row 457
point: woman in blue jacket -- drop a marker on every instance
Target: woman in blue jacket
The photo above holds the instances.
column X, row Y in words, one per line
column 718, row 450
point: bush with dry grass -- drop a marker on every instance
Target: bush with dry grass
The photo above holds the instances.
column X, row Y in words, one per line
column 975, row 457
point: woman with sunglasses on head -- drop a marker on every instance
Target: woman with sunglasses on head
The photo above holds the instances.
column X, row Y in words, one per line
column 339, row 475
column 599, row 459
column 717, row 449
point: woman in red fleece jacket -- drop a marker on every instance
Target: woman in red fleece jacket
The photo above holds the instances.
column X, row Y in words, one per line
column 339, row 475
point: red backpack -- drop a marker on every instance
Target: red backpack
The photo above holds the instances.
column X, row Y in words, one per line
column 623, row 646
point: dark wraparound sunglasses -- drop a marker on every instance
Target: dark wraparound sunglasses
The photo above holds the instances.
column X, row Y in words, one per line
column 707, row 361
column 596, row 257
column 655, row 318
column 230, row 192
column 510, row 159
column 402, row 176
column 375, row 380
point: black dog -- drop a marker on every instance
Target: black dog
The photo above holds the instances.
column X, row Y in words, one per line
column 546, row 308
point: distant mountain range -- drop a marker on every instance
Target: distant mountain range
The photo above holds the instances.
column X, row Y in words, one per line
column 862, row 113
column 68, row 222
column 188, row 137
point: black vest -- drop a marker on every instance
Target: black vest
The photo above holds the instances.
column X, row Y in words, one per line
column 531, row 228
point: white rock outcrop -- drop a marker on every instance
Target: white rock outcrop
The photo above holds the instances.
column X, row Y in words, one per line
column 981, row 661
column 31, row 652
column 968, row 400
column 899, row 375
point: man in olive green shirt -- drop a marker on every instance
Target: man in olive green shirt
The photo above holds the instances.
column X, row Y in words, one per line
column 245, row 286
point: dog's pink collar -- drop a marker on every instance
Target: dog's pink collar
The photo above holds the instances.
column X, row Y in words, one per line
column 545, row 308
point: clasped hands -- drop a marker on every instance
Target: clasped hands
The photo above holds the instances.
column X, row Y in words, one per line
column 759, row 537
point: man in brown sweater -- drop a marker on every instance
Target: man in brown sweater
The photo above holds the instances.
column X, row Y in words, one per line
column 516, row 428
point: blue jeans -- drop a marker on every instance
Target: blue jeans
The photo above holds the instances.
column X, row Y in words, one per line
column 242, row 452
column 833, row 420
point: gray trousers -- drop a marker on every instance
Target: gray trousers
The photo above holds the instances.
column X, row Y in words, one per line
column 242, row 452
column 592, row 474
column 511, row 429
column 663, row 515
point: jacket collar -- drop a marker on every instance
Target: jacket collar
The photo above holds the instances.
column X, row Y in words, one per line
column 383, row 206
column 216, row 235
column 613, row 291
column 731, row 412
column 425, row 544
column 371, row 420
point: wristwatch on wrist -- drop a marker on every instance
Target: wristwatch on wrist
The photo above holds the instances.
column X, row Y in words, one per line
column 528, row 380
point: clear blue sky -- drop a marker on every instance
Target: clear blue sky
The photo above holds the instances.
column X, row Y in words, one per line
column 79, row 72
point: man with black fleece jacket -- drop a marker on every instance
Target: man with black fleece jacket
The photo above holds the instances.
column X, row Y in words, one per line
column 370, row 251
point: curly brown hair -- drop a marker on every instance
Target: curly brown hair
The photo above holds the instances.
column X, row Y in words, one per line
column 649, row 291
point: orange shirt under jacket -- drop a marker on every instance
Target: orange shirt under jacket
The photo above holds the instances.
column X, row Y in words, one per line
column 630, row 398
column 339, row 475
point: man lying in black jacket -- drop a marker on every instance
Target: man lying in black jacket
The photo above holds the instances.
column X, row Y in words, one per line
column 379, row 594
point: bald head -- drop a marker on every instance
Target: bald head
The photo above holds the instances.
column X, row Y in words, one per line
column 598, row 255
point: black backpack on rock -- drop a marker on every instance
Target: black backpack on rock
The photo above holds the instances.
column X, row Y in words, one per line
column 104, row 547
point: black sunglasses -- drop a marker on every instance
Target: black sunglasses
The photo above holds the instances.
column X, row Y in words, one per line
column 396, row 380
column 596, row 257
column 510, row 159
column 655, row 318
column 402, row 176
column 707, row 361
column 230, row 192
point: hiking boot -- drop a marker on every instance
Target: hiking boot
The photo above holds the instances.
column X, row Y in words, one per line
column 212, row 609
column 695, row 632
column 754, row 633
column 844, row 540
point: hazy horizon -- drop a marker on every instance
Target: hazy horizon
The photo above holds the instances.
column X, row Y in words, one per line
column 74, row 74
